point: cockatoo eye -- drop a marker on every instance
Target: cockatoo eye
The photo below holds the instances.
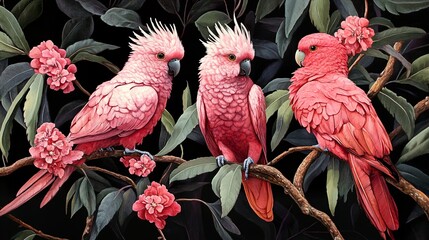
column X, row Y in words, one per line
column 313, row 48
column 232, row 57
column 160, row 55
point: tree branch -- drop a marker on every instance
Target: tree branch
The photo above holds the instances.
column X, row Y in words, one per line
column 298, row 179
column 292, row 150
column 113, row 174
column 36, row 231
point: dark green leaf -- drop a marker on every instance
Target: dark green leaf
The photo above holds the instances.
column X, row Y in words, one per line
column 202, row 6
column 217, row 179
column 131, row 4
column 209, row 19
column 334, row 22
column 11, row 26
column 392, row 52
column 88, row 45
column 127, row 206
column 44, row 114
column 381, row 21
column 346, row 180
column 319, row 14
column 6, row 102
column 193, row 168
column 360, row 76
column 265, row 7
column 400, row 109
column 402, row 6
column 77, row 29
column 270, row 71
column 6, row 55
column 93, row 6
column 72, row 191
column 186, row 122
column 24, row 235
column 316, row 168
column 13, row 75
column 32, row 106
column 301, row 137
column 226, row 221
column 282, row 40
column 346, row 8
column 26, row 11
column 230, row 188
column 96, row 59
column 7, row 47
column 417, row 146
column 332, row 177
column 277, row 84
column 87, row 196
column 68, row 111
column 170, row 6
column 393, row 35
column 103, row 193
column 274, row 100
column 265, row 49
column 294, row 10
column 76, row 203
column 242, row 8
column 186, row 97
column 121, row 17
column 419, row 64
column 372, row 52
column 98, row 182
column 107, row 209
column 284, row 117
column 415, row 176
column 168, row 121
column 142, row 185
column 6, row 126
column 72, row 9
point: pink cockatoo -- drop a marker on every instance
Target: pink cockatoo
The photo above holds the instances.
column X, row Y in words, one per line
column 121, row 111
column 231, row 110
column 341, row 116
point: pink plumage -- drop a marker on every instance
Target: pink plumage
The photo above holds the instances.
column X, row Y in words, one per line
column 124, row 110
column 341, row 116
column 231, row 109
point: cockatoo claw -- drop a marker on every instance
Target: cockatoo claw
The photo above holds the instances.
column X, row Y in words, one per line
column 129, row 151
column 220, row 160
column 246, row 165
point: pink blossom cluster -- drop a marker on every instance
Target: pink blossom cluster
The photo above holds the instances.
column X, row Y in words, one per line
column 355, row 34
column 156, row 204
column 51, row 60
column 141, row 167
column 52, row 151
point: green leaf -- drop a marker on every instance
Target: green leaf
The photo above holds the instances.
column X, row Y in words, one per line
column 96, row 59
column 6, row 127
column 88, row 45
column 24, row 235
column 142, row 185
column 170, row 6
column 186, row 122
column 417, row 146
column 132, row 4
column 120, row 17
column 202, row 6
column 419, row 64
column 208, row 20
column 87, row 196
column 77, row 29
column 319, row 14
column 274, row 100
column 168, row 121
column 381, row 21
column 294, row 10
column 32, row 106
column 400, row 109
column 372, row 52
column 402, row 6
column 414, row 175
column 332, row 178
column 72, row 191
column 393, row 35
column 277, row 84
column 14, row 75
column 68, row 111
column 103, row 193
column 193, row 168
column 76, row 203
column 218, row 220
column 217, row 179
column 230, row 188
column 6, row 45
column 284, row 117
column 346, row 8
column 186, row 97
column 26, row 11
column 11, row 26
column 93, row 6
column 127, row 205
column 265, row 7
column 345, row 179
column 334, row 22
column 107, row 209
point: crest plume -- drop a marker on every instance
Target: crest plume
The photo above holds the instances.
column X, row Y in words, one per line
column 156, row 34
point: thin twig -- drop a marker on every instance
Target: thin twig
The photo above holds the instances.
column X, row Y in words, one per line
column 162, row 234
column 81, row 88
column 292, row 150
column 356, row 61
column 113, row 174
column 298, row 179
column 365, row 14
column 36, row 231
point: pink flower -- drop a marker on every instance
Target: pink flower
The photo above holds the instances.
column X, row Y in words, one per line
column 52, row 151
column 51, row 60
column 142, row 167
column 156, row 204
column 355, row 34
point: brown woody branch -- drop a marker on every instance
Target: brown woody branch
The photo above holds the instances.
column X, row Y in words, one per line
column 113, row 174
column 36, row 231
column 298, row 179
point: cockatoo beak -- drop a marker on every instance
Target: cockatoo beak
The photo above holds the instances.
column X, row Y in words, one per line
column 245, row 67
column 174, row 67
column 299, row 57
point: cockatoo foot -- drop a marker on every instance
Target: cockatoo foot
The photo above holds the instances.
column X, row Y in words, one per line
column 246, row 165
column 129, row 151
column 318, row 146
column 220, row 160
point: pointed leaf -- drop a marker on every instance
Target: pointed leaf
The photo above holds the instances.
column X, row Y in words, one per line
column 76, row 203
column 265, row 49
column 77, row 29
column 301, row 137
column 226, row 221
column 24, row 235
column 120, row 17
column 401, row 6
column 72, row 9
column 88, row 45
column 72, row 191
column 332, row 178
column 127, row 206
column 6, row 46
column 131, row 4
column 13, row 75
column 381, row 21
column 186, row 122
column 400, row 109
column 202, row 6
column 193, row 168
column 170, row 6
column 11, row 26
column 346, row 8
column 44, row 114
column 142, row 185
column 393, row 35
column 346, row 180
column 27, row 11
column 168, row 121
column 93, row 6
column 269, row 72
column 68, row 111
column 274, row 100
column 103, row 193
column 334, row 22
column 414, row 175
column 316, row 168
column 32, row 106
column 294, row 10
column 107, row 209
column 217, row 179
column 372, row 52
column 186, row 97
column 277, row 84
column 420, row 64
column 209, row 19
column 319, row 14
column 87, row 196
column 230, row 188
column 265, row 7
column 284, row 117
column 417, row 146
column 96, row 59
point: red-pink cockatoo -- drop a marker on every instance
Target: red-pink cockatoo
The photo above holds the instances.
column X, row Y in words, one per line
column 341, row 116
column 231, row 110
column 121, row 111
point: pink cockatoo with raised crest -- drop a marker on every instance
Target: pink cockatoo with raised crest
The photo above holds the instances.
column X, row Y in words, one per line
column 231, row 110
column 345, row 123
